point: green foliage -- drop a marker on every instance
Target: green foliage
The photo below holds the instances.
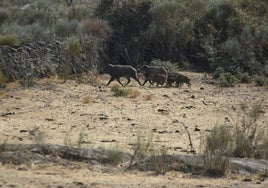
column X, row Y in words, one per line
column 73, row 46
column 171, row 67
column 250, row 135
column 218, row 147
column 159, row 160
column 115, row 157
column 226, row 79
column 218, row 72
column 142, row 147
column 3, row 79
column 201, row 35
column 244, row 77
column 9, row 39
column 129, row 21
column 96, row 27
column 261, row 80
column 120, row 91
column 66, row 28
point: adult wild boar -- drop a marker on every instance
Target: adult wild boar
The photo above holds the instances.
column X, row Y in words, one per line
column 147, row 71
column 118, row 71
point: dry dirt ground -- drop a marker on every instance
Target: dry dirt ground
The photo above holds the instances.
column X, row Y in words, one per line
column 91, row 116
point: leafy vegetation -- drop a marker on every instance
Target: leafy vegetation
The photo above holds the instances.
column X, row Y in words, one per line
column 193, row 35
column 248, row 138
column 218, row 148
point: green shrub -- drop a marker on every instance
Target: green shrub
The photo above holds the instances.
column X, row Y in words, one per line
column 218, row 147
column 79, row 13
column 30, row 15
column 226, row 79
column 261, row 80
column 142, row 148
column 218, row 72
column 96, row 27
column 244, row 77
column 171, row 67
column 159, row 160
column 249, row 137
column 120, row 91
column 9, row 39
column 3, row 79
column 66, row 28
column 115, row 157
column 73, row 46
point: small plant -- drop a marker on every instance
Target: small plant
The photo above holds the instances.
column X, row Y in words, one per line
column 77, row 142
column 142, row 148
column 249, row 135
column 9, row 39
column 218, row 72
column 171, row 67
column 37, row 136
column 261, row 80
column 115, row 157
column 121, row 91
column 159, row 160
column 134, row 94
column 87, row 99
column 226, row 79
column 218, row 147
column 81, row 139
column 66, row 28
column 73, row 46
column 3, row 79
column 3, row 145
column 95, row 27
column 244, row 78
column 148, row 97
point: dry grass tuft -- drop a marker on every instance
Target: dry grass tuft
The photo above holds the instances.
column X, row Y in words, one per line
column 87, row 99
column 148, row 97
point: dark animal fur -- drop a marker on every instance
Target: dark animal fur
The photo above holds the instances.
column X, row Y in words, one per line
column 179, row 80
column 150, row 70
column 118, row 71
column 159, row 79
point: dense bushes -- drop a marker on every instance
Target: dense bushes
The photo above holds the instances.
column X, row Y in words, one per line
column 208, row 35
column 189, row 34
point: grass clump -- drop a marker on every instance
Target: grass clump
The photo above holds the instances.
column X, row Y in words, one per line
column 145, row 150
column 115, row 157
column 96, row 27
column 66, row 28
column 244, row 78
column 73, row 46
column 141, row 148
column 226, row 79
column 250, row 133
column 261, row 81
column 160, row 160
column 171, row 67
column 3, row 79
column 9, row 39
column 120, row 91
column 218, row 147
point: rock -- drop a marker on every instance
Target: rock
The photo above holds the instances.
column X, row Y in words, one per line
column 163, row 111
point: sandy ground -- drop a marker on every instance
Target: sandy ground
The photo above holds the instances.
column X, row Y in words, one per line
column 50, row 112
